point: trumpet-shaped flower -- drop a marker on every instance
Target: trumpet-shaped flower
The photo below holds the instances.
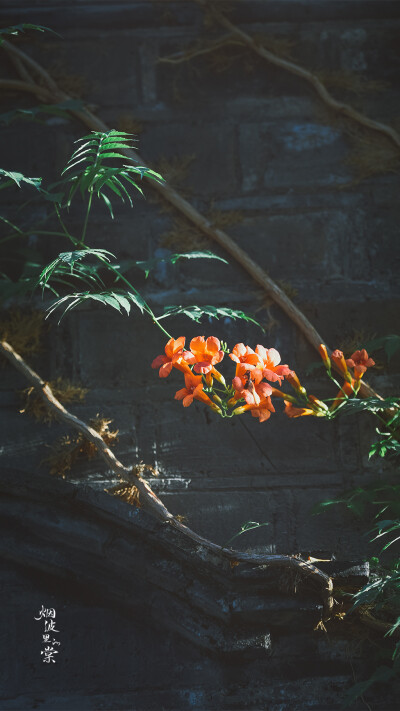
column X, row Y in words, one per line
column 174, row 356
column 251, row 390
column 292, row 411
column 360, row 361
column 269, row 360
column 292, row 378
column 193, row 390
column 338, row 359
column 205, row 353
column 260, row 407
column 245, row 357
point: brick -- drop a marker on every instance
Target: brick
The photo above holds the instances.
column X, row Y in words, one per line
column 291, row 154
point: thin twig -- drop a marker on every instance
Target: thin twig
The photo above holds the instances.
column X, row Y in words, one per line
column 203, row 224
column 186, row 55
column 298, row 70
column 148, row 497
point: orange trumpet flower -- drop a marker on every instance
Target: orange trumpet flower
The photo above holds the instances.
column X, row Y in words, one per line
column 193, row 390
column 360, row 361
column 338, row 359
column 205, row 353
column 174, row 357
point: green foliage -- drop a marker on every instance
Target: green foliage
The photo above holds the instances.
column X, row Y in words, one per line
column 371, row 404
column 69, row 263
column 89, row 170
column 23, row 27
column 15, row 178
column 119, row 300
column 197, row 312
column 248, row 526
column 391, row 344
column 33, row 113
column 150, row 264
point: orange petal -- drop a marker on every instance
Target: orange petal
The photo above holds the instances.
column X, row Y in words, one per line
column 179, row 344
column 169, row 348
column 213, row 344
column 160, row 360
column 165, row 370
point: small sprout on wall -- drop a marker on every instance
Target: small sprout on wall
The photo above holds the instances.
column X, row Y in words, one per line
column 371, row 154
column 72, row 448
column 128, row 493
column 184, row 237
column 24, row 329
column 65, row 391
column 288, row 288
column 225, row 218
column 127, row 123
column 175, row 169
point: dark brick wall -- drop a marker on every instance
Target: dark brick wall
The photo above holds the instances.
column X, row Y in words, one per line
column 263, row 145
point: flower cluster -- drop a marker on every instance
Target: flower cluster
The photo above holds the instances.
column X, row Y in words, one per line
column 305, row 404
column 257, row 374
column 250, row 389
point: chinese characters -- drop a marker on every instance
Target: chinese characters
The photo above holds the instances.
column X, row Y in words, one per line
column 48, row 615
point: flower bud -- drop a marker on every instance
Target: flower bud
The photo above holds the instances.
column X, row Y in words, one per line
column 325, row 358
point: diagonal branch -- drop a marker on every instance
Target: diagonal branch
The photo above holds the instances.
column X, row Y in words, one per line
column 148, row 497
column 16, row 85
column 201, row 222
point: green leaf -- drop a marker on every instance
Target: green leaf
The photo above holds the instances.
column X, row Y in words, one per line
column 17, row 29
column 115, row 299
column 150, row 264
column 88, row 168
column 32, row 114
column 391, row 345
column 16, row 178
column 248, row 526
column 195, row 313
column 67, row 263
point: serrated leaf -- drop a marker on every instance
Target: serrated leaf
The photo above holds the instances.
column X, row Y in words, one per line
column 87, row 168
column 69, row 260
column 197, row 312
column 114, row 299
column 149, row 264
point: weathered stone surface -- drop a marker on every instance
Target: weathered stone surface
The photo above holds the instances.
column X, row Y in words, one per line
column 291, row 155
